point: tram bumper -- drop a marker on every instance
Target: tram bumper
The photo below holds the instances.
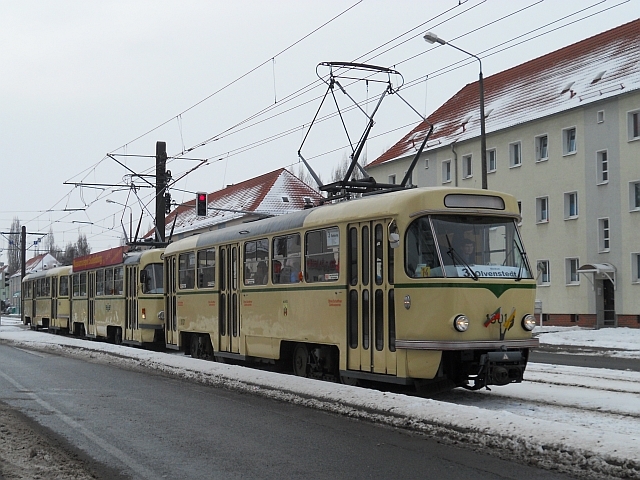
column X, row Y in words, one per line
column 500, row 368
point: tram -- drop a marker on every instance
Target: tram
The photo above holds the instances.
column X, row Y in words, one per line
column 46, row 301
column 408, row 287
column 117, row 295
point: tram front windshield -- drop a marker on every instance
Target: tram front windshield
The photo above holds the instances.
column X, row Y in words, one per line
column 465, row 246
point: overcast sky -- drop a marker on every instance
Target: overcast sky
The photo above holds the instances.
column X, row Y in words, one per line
column 81, row 79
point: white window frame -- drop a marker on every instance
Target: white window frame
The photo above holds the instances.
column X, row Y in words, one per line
column 633, row 120
column 446, row 167
column 539, row 150
column 520, row 212
column 490, row 168
column 635, row 267
column 542, row 214
column 512, row 154
column 543, row 275
column 600, row 116
column 602, row 165
column 604, row 235
column 568, row 215
column 467, row 166
column 634, row 196
column 571, row 266
column 392, row 179
column 565, row 141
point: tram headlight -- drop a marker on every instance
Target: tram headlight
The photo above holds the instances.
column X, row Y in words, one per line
column 528, row 322
column 461, row 323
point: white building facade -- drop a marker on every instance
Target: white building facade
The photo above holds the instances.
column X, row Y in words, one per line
column 563, row 137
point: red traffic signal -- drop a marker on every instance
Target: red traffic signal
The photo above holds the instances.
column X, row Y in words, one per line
column 201, row 204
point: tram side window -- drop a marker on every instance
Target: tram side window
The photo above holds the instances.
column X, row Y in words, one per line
column 38, row 286
column 207, row 268
column 286, row 259
column 186, row 270
column 322, row 253
column 108, row 281
column 29, row 289
column 153, row 279
column 118, row 281
column 83, row 284
column 76, row 285
column 421, row 257
column 100, row 283
column 256, row 258
column 46, row 291
column 64, row 286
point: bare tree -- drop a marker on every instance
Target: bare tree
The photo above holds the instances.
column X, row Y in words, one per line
column 340, row 171
column 305, row 176
column 83, row 245
column 14, row 247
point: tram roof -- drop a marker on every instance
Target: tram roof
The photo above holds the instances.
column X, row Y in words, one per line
column 65, row 270
column 388, row 204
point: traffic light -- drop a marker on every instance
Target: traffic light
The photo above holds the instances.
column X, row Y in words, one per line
column 201, row 204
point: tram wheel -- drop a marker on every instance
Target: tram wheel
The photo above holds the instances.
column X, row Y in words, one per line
column 117, row 336
column 348, row 381
column 300, row 360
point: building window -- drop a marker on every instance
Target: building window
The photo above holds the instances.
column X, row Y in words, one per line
column 571, row 268
column 392, row 179
column 604, row 234
column 520, row 211
column 569, row 141
column 570, row 205
column 635, row 267
column 467, row 166
column 634, row 196
column 542, row 209
column 426, row 163
column 602, row 159
column 491, row 160
column 544, row 275
column 515, row 154
column 600, row 116
column 634, row 125
column 542, row 148
column 446, row 171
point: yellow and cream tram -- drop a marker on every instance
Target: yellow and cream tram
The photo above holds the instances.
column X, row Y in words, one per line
column 117, row 295
column 46, row 301
column 404, row 287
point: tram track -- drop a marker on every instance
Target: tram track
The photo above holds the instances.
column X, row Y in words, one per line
column 603, row 400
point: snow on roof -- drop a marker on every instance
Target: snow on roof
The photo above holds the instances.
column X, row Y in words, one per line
column 599, row 67
column 273, row 193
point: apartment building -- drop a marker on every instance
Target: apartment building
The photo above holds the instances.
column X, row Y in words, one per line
column 563, row 137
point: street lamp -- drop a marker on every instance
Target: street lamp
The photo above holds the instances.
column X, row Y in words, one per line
column 431, row 37
column 130, row 217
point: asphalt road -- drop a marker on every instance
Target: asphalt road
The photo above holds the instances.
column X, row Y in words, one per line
column 146, row 426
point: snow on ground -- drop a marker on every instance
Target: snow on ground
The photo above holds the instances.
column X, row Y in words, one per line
column 550, row 440
column 621, row 342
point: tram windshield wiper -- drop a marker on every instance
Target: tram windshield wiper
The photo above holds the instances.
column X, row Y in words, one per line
column 453, row 254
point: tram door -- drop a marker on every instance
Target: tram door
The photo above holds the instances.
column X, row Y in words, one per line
column 131, row 319
column 371, row 314
column 54, row 301
column 229, row 303
column 91, row 296
column 170, row 315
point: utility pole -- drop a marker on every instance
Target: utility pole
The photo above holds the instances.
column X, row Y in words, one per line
column 161, row 185
column 23, row 260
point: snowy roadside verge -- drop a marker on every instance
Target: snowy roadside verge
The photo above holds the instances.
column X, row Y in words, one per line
column 566, row 447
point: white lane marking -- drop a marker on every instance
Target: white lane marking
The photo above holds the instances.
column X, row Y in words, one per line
column 141, row 470
column 41, row 355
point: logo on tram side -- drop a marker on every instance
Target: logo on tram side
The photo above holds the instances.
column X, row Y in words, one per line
column 505, row 321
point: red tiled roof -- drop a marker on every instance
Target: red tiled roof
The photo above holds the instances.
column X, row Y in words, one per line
column 534, row 90
column 262, row 194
